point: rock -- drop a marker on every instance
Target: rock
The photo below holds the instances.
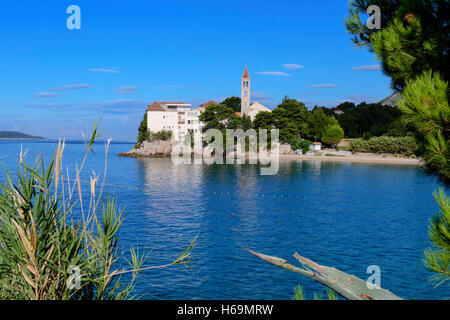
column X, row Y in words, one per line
column 156, row 149
column 286, row 149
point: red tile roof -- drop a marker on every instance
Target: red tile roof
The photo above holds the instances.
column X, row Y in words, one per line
column 238, row 114
column 156, row 106
column 245, row 75
column 207, row 104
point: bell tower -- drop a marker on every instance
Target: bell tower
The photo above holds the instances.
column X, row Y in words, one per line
column 245, row 93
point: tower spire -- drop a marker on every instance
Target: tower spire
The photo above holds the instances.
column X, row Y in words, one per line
column 245, row 75
column 245, row 93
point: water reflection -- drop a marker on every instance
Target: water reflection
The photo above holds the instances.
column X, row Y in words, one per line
column 343, row 214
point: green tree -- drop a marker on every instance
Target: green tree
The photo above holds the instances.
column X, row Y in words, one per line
column 143, row 133
column 333, row 135
column 413, row 38
column 318, row 122
column 218, row 117
column 426, row 109
column 233, row 102
column 437, row 259
column 375, row 118
column 346, row 106
column 413, row 47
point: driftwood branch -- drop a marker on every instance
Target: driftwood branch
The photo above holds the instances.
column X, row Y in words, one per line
column 348, row 286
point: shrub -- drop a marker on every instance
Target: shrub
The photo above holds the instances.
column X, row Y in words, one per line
column 366, row 136
column 163, row 135
column 302, row 145
column 395, row 145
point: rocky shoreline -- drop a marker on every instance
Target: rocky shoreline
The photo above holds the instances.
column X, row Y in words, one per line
column 157, row 149
column 163, row 149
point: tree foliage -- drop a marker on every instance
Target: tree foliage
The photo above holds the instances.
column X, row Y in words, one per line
column 375, row 118
column 426, row 109
column 295, row 121
column 218, row 117
column 413, row 37
column 333, row 135
column 437, row 259
column 143, row 133
column 163, row 135
column 413, row 47
column 396, row 145
column 233, row 102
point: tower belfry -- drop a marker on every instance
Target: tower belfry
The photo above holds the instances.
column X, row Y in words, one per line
column 245, row 93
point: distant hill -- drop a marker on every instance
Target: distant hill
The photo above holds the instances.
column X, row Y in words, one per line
column 18, row 135
column 391, row 100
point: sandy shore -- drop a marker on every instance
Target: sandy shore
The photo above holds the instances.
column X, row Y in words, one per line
column 357, row 158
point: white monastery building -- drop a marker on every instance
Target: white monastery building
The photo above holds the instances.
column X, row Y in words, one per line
column 180, row 118
column 177, row 117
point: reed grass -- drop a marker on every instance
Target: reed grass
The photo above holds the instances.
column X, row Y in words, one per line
column 47, row 251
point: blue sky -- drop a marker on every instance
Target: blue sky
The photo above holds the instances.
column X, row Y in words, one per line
column 54, row 81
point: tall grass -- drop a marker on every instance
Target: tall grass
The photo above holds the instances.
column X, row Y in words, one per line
column 46, row 252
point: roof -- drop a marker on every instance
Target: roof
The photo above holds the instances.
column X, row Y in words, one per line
column 238, row 114
column 157, row 106
column 337, row 110
column 207, row 104
column 245, row 75
column 317, row 143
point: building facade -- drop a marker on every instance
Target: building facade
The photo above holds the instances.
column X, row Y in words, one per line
column 177, row 117
column 181, row 118
column 256, row 108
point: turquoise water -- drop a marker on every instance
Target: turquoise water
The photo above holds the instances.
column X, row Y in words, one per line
column 346, row 215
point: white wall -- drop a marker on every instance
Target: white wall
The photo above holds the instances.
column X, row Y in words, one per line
column 162, row 120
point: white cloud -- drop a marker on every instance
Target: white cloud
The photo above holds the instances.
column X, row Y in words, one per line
column 120, row 107
column 73, row 87
column 274, row 73
column 323, row 86
column 127, row 89
column 106, row 70
column 372, row 67
column 46, row 95
column 293, row 66
column 357, row 99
